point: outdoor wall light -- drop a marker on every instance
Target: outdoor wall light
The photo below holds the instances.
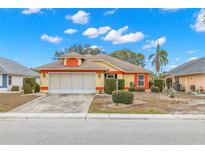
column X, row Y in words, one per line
column 44, row 75
column 99, row 75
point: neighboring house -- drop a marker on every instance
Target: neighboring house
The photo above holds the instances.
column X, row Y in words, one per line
column 75, row 73
column 187, row 75
column 12, row 73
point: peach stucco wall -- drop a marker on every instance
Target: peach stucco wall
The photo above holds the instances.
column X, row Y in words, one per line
column 197, row 80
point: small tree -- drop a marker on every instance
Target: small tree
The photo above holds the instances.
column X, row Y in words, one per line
column 130, row 56
column 79, row 48
column 159, row 59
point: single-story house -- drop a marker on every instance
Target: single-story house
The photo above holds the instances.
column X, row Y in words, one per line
column 75, row 73
column 187, row 75
column 12, row 74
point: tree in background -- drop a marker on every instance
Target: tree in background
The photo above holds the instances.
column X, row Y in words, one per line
column 130, row 56
column 159, row 59
column 79, row 48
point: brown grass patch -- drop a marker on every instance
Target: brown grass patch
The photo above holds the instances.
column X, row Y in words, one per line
column 9, row 101
column 149, row 103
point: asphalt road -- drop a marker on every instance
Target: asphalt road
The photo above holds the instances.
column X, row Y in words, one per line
column 102, row 131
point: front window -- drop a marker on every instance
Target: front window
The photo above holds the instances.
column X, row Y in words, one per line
column 140, row 80
column 111, row 76
column 10, row 80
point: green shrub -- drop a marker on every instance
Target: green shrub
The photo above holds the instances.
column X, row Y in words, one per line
column 15, row 88
column 132, row 89
column 121, row 84
column 37, row 88
column 132, row 85
column 155, row 89
column 159, row 83
column 123, row 97
column 110, row 85
column 151, row 84
column 140, row 90
column 29, row 85
column 27, row 89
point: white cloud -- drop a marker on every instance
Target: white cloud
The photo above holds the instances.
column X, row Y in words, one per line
column 110, row 12
column 199, row 25
column 95, row 32
column 192, row 58
column 116, row 37
column 81, row 17
column 51, row 39
column 153, row 43
column 171, row 10
column 177, row 59
column 192, row 52
column 70, row 31
column 172, row 66
column 31, row 11
column 96, row 46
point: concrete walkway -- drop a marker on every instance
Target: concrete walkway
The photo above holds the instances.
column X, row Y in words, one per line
column 86, row 116
column 57, row 103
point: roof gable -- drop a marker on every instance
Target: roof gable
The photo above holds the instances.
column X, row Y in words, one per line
column 98, row 62
column 190, row 67
column 123, row 65
column 8, row 66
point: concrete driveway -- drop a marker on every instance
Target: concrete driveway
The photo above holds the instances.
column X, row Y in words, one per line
column 57, row 103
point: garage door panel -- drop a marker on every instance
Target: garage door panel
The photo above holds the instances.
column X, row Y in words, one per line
column 72, row 82
column 89, row 82
column 54, row 81
column 66, row 81
column 77, row 82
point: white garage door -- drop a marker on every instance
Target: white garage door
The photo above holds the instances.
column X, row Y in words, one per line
column 71, row 83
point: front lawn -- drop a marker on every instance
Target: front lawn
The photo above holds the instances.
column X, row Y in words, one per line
column 150, row 103
column 9, row 101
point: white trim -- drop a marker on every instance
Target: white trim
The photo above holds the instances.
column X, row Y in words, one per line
column 1, row 80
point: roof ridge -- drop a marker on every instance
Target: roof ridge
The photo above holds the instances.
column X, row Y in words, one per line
column 122, row 60
column 188, row 63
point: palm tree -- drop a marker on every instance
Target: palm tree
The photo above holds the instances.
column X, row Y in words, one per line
column 159, row 59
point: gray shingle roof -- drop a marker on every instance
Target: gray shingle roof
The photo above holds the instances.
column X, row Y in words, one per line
column 123, row 65
column 8, row 66
column 191, row 67
column 58, row 65
column 90, row 65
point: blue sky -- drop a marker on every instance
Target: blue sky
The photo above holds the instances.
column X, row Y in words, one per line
column 31, row 36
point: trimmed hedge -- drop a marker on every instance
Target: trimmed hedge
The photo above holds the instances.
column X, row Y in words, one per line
column 29, row 85
column 121, row 84
column 140, row 90
column 110, row 85
column 123, row 97
column 155, row 89
column 131, row 89
column 37, row 88
column 159, row 83
column 15, row 88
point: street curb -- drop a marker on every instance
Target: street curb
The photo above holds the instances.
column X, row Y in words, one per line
column 87, row 116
